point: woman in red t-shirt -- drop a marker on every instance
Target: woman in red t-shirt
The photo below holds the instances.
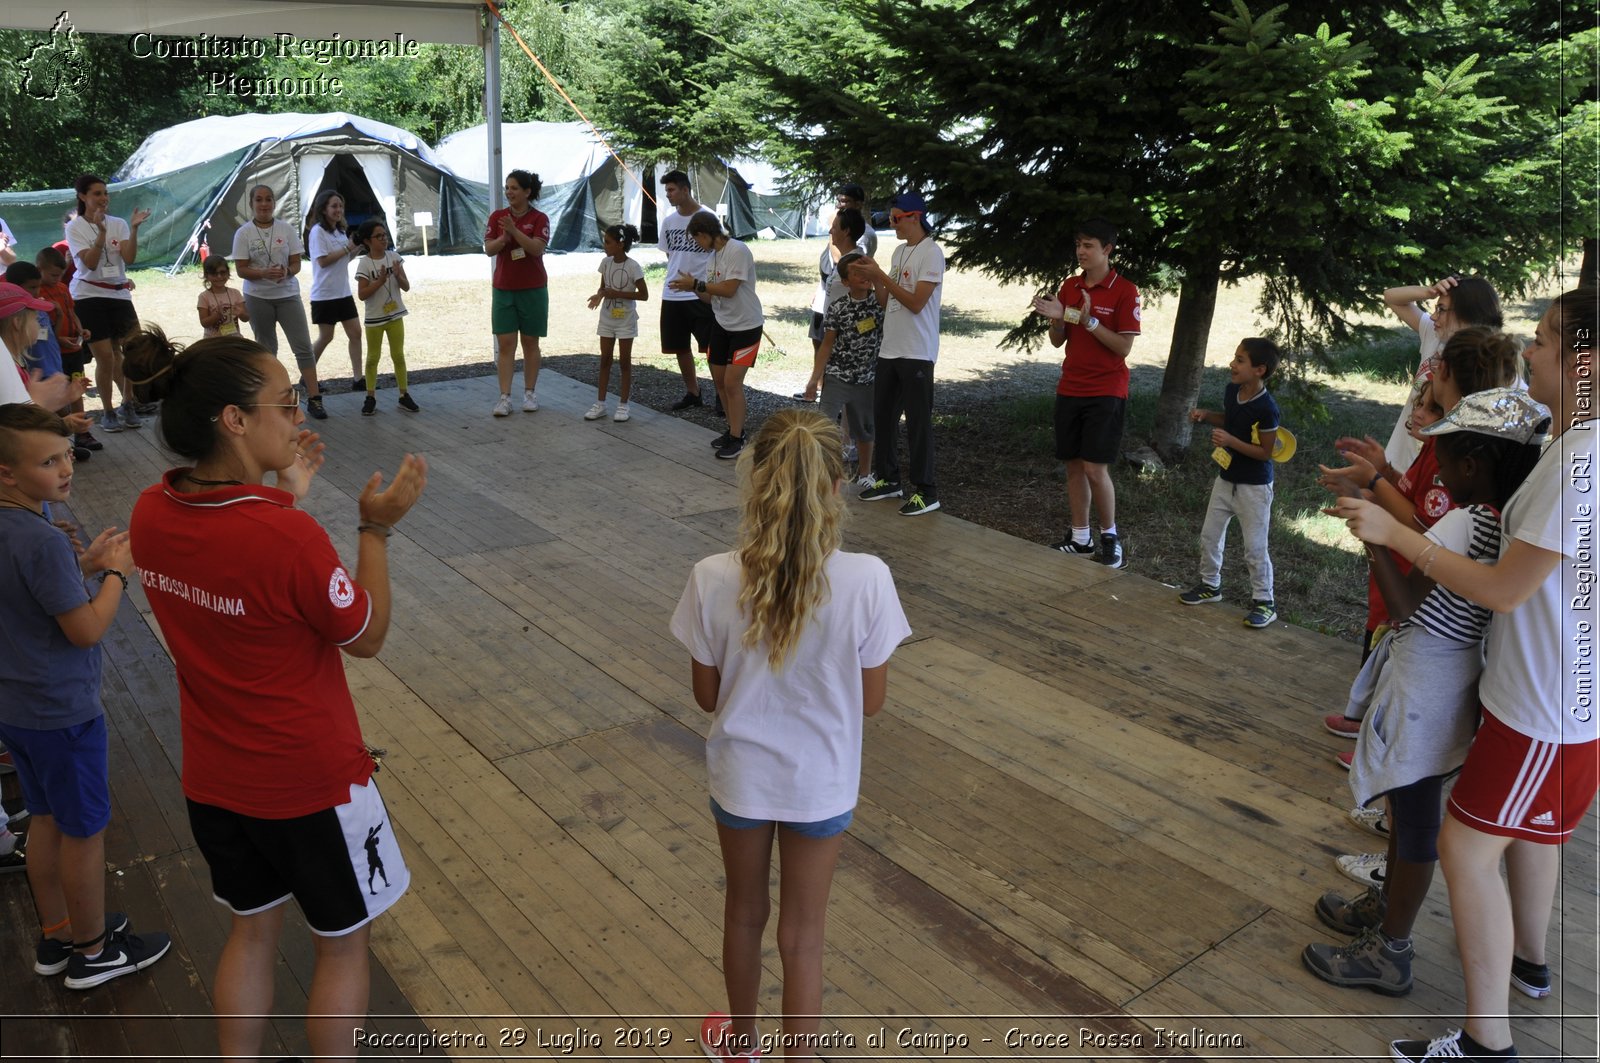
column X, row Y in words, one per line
column 278, row 780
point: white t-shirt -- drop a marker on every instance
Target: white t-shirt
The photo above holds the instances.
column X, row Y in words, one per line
column 683, row 254
column 623, row 276
column 908, row 335
column 868, row 244
column 329, row 282
column 1540, row 675
column 264, row 248
column 13, row 389
column 388, row 302
column 1401, row 449
column 112, row 269
column 786, row 746
column 740, row 311
column 829, row 284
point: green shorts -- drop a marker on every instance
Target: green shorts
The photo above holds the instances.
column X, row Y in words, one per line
column 526, row 310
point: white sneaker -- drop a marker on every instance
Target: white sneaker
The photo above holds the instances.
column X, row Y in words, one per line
column 622, row 413
column 1369, row 869
column 866, row 480
column 1372, row 819
column 597, row 411
column 503, row 407
column 530, row 402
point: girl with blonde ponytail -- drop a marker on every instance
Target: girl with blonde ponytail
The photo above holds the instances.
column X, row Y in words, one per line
column 790, row 639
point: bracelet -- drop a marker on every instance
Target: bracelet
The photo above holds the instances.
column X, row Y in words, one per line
column 113, row 572
column 1432, row 557
column 376, row 529
column 1429, row 551
column 1373, row 483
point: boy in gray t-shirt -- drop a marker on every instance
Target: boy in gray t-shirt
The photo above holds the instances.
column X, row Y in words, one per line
column 847, row 361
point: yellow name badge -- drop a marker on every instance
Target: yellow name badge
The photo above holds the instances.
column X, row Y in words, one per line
column 866, row 325
column 227, row 328
column 390, row 307
column 518, row 253
column 1222, row 456
column 619, row 312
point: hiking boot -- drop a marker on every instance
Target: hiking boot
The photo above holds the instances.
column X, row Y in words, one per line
column 1364, row 912
column 1073, row 547
column 880, row 489
column 124, row 953
column 731, row 448
column 918, row 504
column 1368, row 962
column 407, row 403
column 51, row 956
column 1201, row 594
column 1111, row 554
column 502, row 408
column 595, row 412
column 1530, row 978
column 688, row 401
column 369, row 406
column 1369, row 869
column 314, row 408
column 1260, row 615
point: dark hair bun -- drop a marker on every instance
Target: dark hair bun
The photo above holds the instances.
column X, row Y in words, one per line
column 150, row 359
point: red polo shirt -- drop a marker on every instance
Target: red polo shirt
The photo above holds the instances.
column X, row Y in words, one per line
column 1090, row 368
column 511, row 273
column 254, row 604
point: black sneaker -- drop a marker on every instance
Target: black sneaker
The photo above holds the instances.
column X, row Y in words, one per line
column 81, row 454
column 370, row 406
column 731, row 448
column 1260, row 615
column 880, row 489
column 1201, row 594
column 51, row 956
column 408, row 403
column 15, row 860
column 87, row 441
column 919, row 503
column 1453, row 1045
column 1530, row 978
column 721, row 441
column 1076, row 549
column 689, row 401
column 314, row 407
column 358, row 383
column 1111, row 551
column 124, row 953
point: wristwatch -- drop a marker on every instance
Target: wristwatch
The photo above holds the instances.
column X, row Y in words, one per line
column 1093, row 323
column 699, row 286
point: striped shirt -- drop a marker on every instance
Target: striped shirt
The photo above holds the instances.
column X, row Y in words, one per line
column 1473, row 531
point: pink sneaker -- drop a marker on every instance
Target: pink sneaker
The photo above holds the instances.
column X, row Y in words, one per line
column 1345, row 758
column 714, row 1033
column 1338, row 725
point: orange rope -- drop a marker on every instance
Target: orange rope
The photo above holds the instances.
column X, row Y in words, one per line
column 576, row 109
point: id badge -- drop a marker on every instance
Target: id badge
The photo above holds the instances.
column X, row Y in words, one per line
column 1222, row 456
column 866, row 325
column 227, row 328
column 390, row 307
column 518, row 253
column 619, row 312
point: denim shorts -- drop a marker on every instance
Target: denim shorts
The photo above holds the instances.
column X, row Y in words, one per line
column 822, row 828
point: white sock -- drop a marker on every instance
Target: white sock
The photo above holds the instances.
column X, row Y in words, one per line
column 1080, row 536
column 1109, row 531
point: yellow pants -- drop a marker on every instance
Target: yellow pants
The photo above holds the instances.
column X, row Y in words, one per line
column 396, row 331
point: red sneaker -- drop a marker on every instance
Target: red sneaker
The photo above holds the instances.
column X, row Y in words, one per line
column 1338, row 725
column 714, row 1034
column 1345, row 758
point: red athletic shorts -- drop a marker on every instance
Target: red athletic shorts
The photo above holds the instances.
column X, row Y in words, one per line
column 1516, row 787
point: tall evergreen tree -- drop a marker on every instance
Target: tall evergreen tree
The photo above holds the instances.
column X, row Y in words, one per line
column 1333, row 147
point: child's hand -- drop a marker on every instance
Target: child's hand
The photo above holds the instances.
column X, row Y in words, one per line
column 594, row 300
column 682, row 283
column 110, row 549
column 1367, row 448
column 77, row 422
column 1367, row 521
column 1197, row 415
column 1222, row 438
column 387, row 506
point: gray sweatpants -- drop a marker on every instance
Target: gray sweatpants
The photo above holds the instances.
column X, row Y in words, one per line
column 1252, row 504
column 265, row 317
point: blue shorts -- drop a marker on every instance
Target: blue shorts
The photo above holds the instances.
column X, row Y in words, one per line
column 64, row 774
column 822, row 828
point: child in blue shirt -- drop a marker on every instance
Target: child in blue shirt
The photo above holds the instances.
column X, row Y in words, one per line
column 1244, row 434
column 50, row 714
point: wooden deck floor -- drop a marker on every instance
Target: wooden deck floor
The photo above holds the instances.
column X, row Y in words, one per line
column 1086, row 812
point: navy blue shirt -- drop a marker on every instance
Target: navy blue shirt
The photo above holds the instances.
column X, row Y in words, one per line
column 1238, row 420
column 45, row 681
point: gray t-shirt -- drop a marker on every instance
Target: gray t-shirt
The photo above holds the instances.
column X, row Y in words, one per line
column 46, row 682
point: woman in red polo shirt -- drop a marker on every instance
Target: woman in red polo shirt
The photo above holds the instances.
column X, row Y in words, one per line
column 278, row 779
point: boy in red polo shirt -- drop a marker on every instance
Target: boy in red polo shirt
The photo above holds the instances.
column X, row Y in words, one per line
column 1096, row 314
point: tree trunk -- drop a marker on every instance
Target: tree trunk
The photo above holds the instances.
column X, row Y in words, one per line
column 1180, row 386
column 1589, row 272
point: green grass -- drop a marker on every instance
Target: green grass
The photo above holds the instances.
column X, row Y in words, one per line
column 1319, row 569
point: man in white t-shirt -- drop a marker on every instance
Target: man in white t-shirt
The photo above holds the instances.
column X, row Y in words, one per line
column 686, row 319
column 910, row 294
column 855, row 196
